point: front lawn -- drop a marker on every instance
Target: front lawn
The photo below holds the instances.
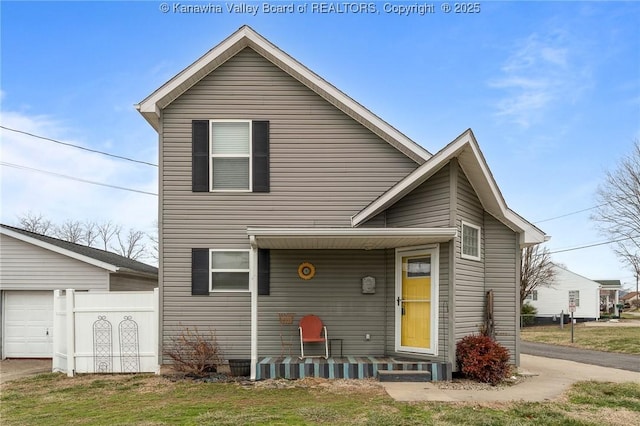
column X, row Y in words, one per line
column 54, row 399
column 609, row 339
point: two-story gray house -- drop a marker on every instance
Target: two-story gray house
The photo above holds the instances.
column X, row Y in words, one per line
column 280, row 196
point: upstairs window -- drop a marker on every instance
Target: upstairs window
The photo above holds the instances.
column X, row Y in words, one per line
column 230, row 156
column 470, row 241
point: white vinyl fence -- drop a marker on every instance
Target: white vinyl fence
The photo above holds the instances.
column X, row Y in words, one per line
column 105, row 332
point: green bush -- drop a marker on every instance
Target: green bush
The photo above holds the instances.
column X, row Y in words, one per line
column 528, row 314
column 482, row 359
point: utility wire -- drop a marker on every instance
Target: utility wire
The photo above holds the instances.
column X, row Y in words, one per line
column 78, row 147
column 590, row 245
column 17, row 166
column 570, row 213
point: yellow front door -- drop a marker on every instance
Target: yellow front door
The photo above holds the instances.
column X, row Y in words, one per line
column 416, row 302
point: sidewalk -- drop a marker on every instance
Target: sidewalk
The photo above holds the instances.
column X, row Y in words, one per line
column 550, row 378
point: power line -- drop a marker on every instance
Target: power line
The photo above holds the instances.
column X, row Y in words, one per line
column 17, row 166
column 78, row 147
column 590, row 245
column 570, row 213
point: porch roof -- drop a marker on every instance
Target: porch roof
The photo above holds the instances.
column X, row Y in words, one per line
column 347, row 238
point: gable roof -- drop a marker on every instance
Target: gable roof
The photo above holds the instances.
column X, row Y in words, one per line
column 465, row 148
column 609, row 284
column 151, row 106
column 560, row 270
column 112, row 262
column 631, row 295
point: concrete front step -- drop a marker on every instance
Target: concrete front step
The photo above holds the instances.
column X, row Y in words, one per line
column 403, row 376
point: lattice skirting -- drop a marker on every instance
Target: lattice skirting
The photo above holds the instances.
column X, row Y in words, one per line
column 347, row 368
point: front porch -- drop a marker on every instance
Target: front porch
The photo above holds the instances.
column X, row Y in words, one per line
column 349, row 367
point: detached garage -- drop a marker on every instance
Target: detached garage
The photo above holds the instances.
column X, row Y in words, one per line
column 33, row 265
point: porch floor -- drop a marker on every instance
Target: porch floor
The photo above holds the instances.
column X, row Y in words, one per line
column 349, row 367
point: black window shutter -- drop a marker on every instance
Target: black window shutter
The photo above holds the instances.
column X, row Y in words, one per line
column 260, row 138
column 264, row 267
column 200, row 155
column 200, row 272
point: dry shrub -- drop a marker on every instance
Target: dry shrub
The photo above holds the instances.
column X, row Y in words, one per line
column 195, row 352
column 483, row 359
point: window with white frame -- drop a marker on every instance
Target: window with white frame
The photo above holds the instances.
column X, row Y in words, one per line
column 533, row 295
column 470, row 241
column 574, row 296
column 230, row 156
column 229, row 270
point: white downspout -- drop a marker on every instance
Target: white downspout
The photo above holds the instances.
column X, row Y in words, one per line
column 253, row 289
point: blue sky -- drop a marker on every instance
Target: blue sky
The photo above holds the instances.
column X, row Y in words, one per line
column 550, row 89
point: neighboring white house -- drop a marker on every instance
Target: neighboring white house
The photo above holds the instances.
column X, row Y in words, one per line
column 33, row 266
column 610, row 296
column 552, row 300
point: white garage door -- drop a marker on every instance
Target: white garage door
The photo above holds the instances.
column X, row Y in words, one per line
column 28, row 324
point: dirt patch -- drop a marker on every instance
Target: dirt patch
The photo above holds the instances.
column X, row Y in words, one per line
column 466, row 384
column 339, row 386
column 613, row 323
column 372, row 385
column 606, row 416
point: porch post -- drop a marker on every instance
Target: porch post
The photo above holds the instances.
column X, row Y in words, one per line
column 253, row 289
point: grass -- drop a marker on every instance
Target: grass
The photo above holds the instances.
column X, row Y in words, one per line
column 54, row 399
column 619, row 339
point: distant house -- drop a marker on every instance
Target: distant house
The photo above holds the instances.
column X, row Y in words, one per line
column 34, row 265
column 568, row 287
column 610, row 296
column 281, row 196
column 631, row 296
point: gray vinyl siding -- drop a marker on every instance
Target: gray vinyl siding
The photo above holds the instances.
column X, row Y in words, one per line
column 25, row 266
column 124, row 282
column 425, row 206
column 470, row 274
column 325, row 167
column 334, row 294
column 501, row 267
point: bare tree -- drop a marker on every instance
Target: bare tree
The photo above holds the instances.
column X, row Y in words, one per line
column 106, row 231
column 102, row 235
column 90, row 230
column 618, row 213
column 70, row 230
column 132, row 245
column 154, row 251
column 36, row 223
column 536, row 270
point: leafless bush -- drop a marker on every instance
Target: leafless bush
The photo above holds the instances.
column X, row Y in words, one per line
column 195, row 352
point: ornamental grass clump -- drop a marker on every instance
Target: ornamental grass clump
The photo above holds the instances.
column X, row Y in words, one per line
column 482, row 359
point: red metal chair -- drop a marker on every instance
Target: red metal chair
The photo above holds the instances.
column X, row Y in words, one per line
column 313, row 331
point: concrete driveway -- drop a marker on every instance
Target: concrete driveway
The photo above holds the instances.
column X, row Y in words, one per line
column 549, row 379
column 11, row 369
